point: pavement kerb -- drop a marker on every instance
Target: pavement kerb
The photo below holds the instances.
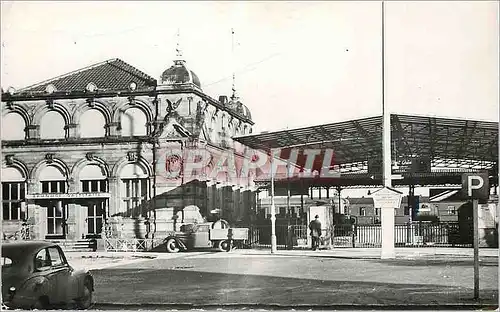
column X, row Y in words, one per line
column 375, row 253
column 341, row 253
column 398, row 307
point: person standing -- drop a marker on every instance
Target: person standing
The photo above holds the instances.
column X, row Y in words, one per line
column 315, row 227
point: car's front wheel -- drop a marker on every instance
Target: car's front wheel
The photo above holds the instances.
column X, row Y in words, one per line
column 86, row 300
column 224, row 245
column 171, row 245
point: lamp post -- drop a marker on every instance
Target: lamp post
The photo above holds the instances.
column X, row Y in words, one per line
column 273, row 209
column 386, row 126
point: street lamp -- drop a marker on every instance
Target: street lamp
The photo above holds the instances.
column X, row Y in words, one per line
column 273, row 209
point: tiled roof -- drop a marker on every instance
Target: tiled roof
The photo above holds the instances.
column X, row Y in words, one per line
column 360, row 201
column 113, row 74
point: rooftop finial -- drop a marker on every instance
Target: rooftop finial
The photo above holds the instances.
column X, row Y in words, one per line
column 179, row 57
column 234, row 96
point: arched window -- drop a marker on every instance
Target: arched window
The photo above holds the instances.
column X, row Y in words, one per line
column 13, row 126
column 93, row 179
column 13, row 194
column 92, row 124
column 133, row 122
column 52, row 126
column 134, row 190
column 52, row 180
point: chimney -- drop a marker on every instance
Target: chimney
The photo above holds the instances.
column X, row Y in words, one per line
column 223, row 99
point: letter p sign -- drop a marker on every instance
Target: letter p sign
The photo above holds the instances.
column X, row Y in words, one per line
column 476, row 185
column 472, row 186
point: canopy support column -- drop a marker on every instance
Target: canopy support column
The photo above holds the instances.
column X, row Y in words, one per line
column 339, row 189
column 273, row 208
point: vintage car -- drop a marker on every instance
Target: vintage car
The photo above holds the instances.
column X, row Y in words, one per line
column 36, row 274
column 205, row 235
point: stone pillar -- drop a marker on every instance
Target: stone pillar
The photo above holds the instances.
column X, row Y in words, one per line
column 73, row 132
column 73, row 186
column 33, row 132
column 82, row 220
column 114, row 200
column 387, row 199
column 71, row 222
column 387, row 220
column 33, row 186
column 33, row 220
column 41, row 217
column 114, row 129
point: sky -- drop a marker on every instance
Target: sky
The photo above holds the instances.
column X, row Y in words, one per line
column 296, row 63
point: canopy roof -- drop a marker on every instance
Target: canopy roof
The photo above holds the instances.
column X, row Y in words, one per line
column 452, row 145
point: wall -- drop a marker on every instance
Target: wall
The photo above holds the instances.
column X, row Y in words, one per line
column 113, row 151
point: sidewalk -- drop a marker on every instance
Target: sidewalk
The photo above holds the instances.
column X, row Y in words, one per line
column 102, row 259
column 374, row 253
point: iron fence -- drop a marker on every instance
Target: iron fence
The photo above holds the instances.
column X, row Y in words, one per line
column 131, row 244
column 369, row 235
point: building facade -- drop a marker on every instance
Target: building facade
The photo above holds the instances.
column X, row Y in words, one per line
column 101, row 151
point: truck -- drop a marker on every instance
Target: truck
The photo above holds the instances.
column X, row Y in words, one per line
column 216, row 234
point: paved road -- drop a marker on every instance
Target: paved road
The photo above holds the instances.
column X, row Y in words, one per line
column 223, row 279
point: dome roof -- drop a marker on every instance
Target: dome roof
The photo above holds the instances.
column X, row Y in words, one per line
column 239, row 107
column 179, row 74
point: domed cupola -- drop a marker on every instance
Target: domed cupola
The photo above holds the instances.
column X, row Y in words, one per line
column 179, row 73
column 238, row 107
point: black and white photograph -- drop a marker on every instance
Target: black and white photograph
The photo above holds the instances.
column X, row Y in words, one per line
column 250, row 155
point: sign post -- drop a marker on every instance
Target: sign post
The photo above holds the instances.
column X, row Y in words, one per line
column 387, row 199
column 475, row 216
column 476, row 187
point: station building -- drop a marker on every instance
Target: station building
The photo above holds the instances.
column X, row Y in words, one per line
column 98, row 151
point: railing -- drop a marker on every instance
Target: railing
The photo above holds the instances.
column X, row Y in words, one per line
column 297, row 236
column 260, row 236
column 131, row 244
column 370, row 235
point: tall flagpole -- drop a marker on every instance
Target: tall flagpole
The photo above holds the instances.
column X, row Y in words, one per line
column 386, row 137
column 387, row 209
column 234, row 95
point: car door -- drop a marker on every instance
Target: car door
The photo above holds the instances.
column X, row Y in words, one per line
column 43, row 269
column 61, row 273
column 201, row 236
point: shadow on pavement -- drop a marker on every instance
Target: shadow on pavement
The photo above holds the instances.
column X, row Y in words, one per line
column 180, row 287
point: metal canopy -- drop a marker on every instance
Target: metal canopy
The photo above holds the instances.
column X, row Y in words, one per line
column 450, row 144
column 352, row 141
column 446, row 141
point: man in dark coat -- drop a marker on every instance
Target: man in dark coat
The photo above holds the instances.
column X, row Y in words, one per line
column 315, row 227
